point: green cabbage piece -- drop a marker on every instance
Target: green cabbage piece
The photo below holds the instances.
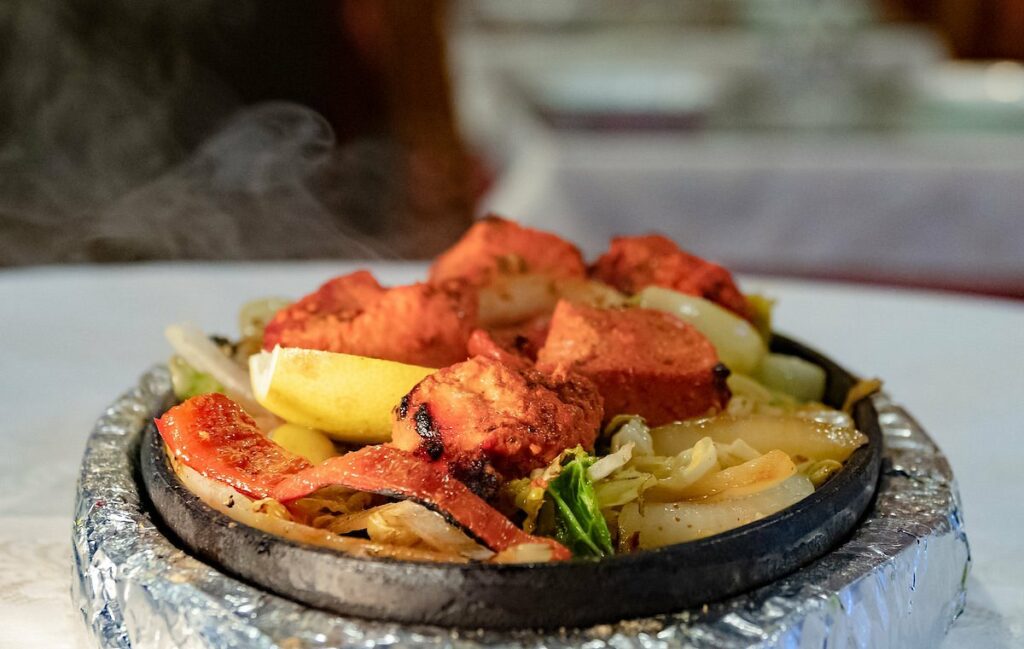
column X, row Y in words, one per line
column 189, row 382
column 579, row 524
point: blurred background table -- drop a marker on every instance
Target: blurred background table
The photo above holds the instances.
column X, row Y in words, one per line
column 77, row 337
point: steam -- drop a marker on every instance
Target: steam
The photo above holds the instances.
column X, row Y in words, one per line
column 271, row 184
column 117, row 144
column 77, row 127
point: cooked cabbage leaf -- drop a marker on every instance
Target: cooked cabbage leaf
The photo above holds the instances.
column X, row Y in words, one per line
column 189, row 382
column 579, row 524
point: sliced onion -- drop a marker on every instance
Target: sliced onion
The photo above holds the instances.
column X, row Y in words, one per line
column 611, row 463
column 792, row 375
column 691, row 465
column 203, row 354
column 742, row 385
column 659, row 524
column 800, row 436
column 431, row 528
column 525, row 553
column 737, row 342
column 407, row 523
column 742, row 480
column 511, row 299
column 590, row 292
column 625, row 486
column 735, row 453
column 634, row 432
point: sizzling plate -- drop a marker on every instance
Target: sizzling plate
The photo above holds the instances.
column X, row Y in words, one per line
column 569, row 594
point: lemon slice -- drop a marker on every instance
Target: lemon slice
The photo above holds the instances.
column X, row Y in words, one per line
column 348, row 397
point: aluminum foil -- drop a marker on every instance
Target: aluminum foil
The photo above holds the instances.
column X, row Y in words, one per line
column 898, row 581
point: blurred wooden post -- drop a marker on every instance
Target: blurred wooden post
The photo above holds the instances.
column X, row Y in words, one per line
column 975, row 29
column 402, row 43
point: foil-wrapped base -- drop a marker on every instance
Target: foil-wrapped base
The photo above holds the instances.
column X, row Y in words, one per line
column 898, row 581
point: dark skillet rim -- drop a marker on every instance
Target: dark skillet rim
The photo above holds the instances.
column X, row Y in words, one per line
column 860, row 460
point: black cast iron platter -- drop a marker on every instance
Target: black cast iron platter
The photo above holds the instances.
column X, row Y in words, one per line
column 568, row 594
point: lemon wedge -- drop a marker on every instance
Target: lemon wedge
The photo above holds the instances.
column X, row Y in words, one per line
column 305, row 442
column 348, row 397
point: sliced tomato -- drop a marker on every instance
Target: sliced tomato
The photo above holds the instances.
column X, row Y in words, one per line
column 393, row 472
column 213, row 435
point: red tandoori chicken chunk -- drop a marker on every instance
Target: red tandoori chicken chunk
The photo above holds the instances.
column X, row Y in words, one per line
column 495, row 245
column 634, row 263
column 490, row 421
column 518, row 343
column 422, row 324
column 483, row 343
column 643, row 362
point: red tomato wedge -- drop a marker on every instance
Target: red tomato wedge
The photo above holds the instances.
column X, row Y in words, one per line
column 214, row 436
column 393, row 472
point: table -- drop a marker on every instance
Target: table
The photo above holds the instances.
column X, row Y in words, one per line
column 76, row 337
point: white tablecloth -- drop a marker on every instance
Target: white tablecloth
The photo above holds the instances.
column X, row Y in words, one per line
column 75, row 338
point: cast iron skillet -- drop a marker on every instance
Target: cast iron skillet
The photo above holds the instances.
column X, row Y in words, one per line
column 568, row 594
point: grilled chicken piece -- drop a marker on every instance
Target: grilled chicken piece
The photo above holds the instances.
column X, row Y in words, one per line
column 489, row 421
column 495, row 245
column 643, row 362
column 483, row 343
column 422, row 324
column 634, row 263
column 516, row 345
